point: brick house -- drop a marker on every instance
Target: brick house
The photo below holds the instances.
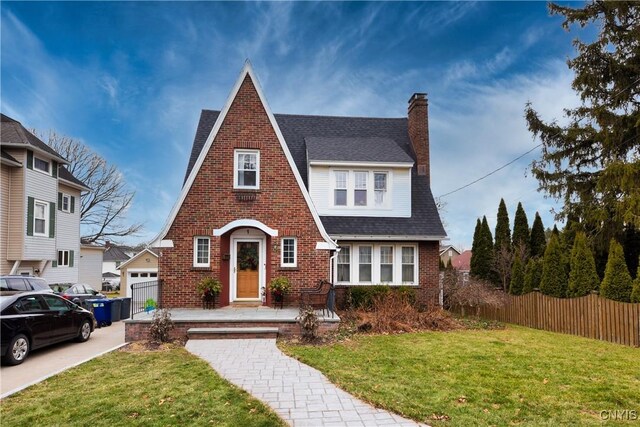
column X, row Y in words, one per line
column 306, row 197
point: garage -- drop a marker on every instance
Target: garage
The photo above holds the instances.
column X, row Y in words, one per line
column 140, row 268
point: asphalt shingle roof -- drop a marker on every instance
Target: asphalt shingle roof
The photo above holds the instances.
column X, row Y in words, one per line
column 8, row 156
column 12, row 132
column 114, row 253
column 323, row 132
column 64, row 173
column 356, row 149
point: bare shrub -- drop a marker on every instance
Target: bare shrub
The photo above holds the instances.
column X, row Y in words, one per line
column 309, row 323
column 161, row 326
column 474, row 294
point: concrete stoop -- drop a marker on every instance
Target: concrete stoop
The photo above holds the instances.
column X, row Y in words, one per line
column 231, row 333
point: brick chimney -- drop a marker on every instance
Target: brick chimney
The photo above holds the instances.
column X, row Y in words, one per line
column 419, row 131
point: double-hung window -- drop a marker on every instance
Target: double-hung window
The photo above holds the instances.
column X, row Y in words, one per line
column 63, row 258
column 42, row 165
column 344, row 261
column 247, row 169
column 289, row 250
column 40, row 218
column 408, row 264
column 66, row 203
column 365, row 259
column 386, row 264
column 340, row 192
column 201, row 251
column 360, row 188
column 380, row 188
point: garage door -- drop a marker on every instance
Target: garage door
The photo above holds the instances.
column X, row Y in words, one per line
column 134, row 276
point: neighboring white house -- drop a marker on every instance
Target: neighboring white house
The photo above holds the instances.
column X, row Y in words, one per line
column 91, row 265
column 40, row 215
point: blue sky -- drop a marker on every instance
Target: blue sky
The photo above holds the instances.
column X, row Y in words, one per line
column 129, row 79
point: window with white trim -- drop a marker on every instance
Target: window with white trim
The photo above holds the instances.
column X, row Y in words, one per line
column 408, row 264
column 40, row 218
column 343, row 270
column 247, row 169
column 41, row 165
column 289, row 249
column 380, row 188
column 365, row 259
column 66, row 203
column 201, row 250
column 340, row 191
column 360, row 188
column 63, row 258
column 386, row 264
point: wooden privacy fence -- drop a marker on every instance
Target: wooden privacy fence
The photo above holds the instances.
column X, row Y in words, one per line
column 591, row 316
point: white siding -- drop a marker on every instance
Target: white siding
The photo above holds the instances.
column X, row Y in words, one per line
column 5, row 185
column 110, row 267
column 67, row 239
column 399, row 187
column 45, row 188
column 90, row 265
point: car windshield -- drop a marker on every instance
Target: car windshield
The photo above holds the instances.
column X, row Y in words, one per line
column 6, row 301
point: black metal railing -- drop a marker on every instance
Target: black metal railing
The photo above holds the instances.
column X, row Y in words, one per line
column 146, row 296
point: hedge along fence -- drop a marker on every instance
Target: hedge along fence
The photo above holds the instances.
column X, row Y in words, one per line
column 591, row 316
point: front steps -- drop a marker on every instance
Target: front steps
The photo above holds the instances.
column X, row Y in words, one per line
column 231, row 333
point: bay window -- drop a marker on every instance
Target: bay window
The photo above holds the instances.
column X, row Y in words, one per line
column 369, row 263
column 386, row 264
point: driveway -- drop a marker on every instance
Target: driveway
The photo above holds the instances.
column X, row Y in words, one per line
column 48, row 361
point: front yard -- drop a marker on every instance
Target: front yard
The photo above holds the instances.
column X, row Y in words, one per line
column 515, row 376
column 159, row 388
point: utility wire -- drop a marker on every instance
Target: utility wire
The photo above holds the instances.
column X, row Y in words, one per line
column 529, row 151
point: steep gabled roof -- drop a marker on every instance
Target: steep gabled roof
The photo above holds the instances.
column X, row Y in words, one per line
column 13, row 133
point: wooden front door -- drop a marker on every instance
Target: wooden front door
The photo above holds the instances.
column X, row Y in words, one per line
column 247, row 270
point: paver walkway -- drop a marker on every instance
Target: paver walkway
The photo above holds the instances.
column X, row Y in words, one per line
column 298, row 393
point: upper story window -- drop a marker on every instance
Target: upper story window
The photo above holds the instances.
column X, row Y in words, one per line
column 201, row 252
column 246, row 169
column 63, row 258
column 360, row 188
column 40, row 218
column 340, row 191
column 289, row 252
column 66, row 203
column 41, row 165
column 380, row 188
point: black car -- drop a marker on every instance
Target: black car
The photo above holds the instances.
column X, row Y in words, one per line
column 32, row 320
column 78, row 293
column 11, row 285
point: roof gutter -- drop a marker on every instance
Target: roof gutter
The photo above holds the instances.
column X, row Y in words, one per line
column 74, row 184
column 58, row 158
column 388, row 237
column 9, row 162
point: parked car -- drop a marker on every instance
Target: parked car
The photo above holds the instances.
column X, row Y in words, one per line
column 79, row 292
column 32, row 320
column 109, row 286
column 11, row 285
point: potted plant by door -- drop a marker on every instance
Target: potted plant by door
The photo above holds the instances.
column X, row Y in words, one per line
column 279, row 287
column 208, row 288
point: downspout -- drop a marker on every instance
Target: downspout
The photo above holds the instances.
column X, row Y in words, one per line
column 331, row 264
column 15, row 268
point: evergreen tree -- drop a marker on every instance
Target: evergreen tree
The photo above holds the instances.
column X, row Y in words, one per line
column 583, row 277
column 617, row 283
column 635, row 293
column 554, row 272
column 477, row 235
column 484, row 258
column 517, row 277
column 520, row 227
column 532, row 275
column 441, row 264
column 503, row 232
column 591, row 163
column 631, row 246
column 555, row 230
column 537, row 241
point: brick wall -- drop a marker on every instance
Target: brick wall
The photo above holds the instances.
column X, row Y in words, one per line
column 212, row 203
column 418, row 125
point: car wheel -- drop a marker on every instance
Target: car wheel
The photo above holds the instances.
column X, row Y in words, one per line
column 18, row 350
column 85, row 331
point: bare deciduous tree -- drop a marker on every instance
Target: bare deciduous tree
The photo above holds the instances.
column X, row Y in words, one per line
column 502, row 262
column 103, row 210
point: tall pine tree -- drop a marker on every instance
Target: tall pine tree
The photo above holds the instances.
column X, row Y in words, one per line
column 532, row 275
column 617, row 283
column 554, row 271
column 503, row 231
column 484, row 259
column 537, row 240
column 520, row 228
column 591, row 163
column 475, row 245
column 517, row 277
column 583, row 277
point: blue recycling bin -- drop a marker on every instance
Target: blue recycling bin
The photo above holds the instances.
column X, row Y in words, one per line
column 101, row 308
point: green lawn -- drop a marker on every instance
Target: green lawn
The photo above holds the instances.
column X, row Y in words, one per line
column 159, row 388
column 514, row 376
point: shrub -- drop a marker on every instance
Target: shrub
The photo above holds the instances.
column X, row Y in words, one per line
column 554, row 272
column 209, row 286
column 474, row 293
column 532, row 275
column 583, row 277
column 617, row 283
column 161, row 326
column 362, row 297
column 635, row 293
column 309, row 323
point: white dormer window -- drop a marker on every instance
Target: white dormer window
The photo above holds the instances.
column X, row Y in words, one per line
column 246, row 169
column 380, row 188
column 340, row 191
column 360, row 188
column 42, row 165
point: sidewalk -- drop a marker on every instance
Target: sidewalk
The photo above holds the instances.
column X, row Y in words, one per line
column 298, row 393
